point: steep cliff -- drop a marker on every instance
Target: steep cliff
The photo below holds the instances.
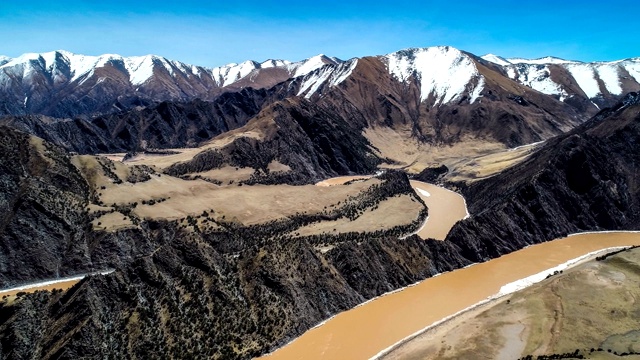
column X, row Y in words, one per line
column 583, row 180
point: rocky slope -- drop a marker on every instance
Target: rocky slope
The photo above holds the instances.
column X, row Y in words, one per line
column 45, row 229
column 313, row 142
column 440, row 96
column 584, row 180
column 231, row 292
column 42, row 201
column 165, row 125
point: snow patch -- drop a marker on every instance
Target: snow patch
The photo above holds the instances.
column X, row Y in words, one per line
column 274, row 63
column 608, row 73
column 531, row 145
column 140, row 69
column 496, row 59
column 540, row 61
column 307, row 66
column 233, row 72
column 633, row 68
column 536, row 278
column 475, row 94
column 331, row 75
column 538, row 77
column 55, row 281
column 584, row 74
column 443, row 72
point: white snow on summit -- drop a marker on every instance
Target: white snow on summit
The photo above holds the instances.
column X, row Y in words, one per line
column 609, row 74
column 228, row 74
column 81, row 67
column 537, row 75
column 140, row 69
column 496, row 59
column 442, row 71
column 540, row 61
column 633, row 68
column 306, row 66
column 538, row 78
column 274, row 63
column 326, row 76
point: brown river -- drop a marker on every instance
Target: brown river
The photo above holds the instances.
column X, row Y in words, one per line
column 367, row 330
column 445, row 206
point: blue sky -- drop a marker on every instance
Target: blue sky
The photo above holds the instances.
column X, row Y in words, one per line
column 213, row 33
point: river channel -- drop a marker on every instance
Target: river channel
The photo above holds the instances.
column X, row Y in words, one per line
column 367, row 330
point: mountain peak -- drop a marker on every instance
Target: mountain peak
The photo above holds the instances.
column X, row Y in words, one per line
column 444, row 72
column 306, row 66
column 496, row 59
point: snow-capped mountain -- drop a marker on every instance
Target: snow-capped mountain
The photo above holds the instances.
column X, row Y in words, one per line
column 443, row 72
column 437, row 95
column 446, row 75
column 61, row 83
column 597, row 81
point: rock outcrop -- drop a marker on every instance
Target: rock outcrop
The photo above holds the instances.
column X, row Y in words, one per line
column 584, row 180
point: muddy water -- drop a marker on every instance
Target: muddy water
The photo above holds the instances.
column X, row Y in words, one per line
column 445, row 209
column 366, row 330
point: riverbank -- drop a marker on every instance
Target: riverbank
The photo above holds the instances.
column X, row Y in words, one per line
column 367, row 330
column 60, row 283
column 417, row 345
column 586, row 307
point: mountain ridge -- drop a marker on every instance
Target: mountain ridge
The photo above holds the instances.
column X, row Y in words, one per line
column 62, row 84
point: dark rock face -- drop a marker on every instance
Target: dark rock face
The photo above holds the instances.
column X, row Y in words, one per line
column 314, row 142
column 432, row 175
column 166, row 125
column 42, row 216
column 584, row 180
column 45, row 229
